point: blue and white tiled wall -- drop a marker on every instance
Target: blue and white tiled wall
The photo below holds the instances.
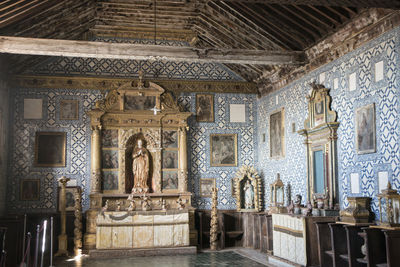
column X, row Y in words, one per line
column 199, row 145
column 335, row 75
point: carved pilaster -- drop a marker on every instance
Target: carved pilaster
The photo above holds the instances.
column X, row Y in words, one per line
column 96, row 160
column 183, row 173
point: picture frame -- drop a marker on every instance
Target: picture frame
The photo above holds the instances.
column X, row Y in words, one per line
column 205, row 108
column 277, row 134
column 170, row 180
column 109, row 159
column 70, row 192
column 109, row 138
column 110, row 180
column 170, row 139
column 69, row 109
column 365, row 126
column 170, row 159
column 223, row 150
column 138, row 102
column 206, row 186
column 29, row 189
column 50, row 149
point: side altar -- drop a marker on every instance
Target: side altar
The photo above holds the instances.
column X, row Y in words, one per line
column 139, row 171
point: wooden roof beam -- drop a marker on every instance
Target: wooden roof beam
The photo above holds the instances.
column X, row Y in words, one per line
column 88, row 49
column 393, row 4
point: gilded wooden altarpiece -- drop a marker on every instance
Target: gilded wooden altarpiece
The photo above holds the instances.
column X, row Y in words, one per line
column 320, row 132
column 136, row 110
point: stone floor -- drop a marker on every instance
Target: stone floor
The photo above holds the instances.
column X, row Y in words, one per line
column 239, row 257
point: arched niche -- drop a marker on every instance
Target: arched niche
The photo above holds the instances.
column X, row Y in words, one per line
column 247, row 177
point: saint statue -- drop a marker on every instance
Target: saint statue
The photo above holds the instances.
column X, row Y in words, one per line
column 248, row 195
column 140, row 167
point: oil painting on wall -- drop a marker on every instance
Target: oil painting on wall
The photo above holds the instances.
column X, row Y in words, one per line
column 206, row 186
column 365, row 129
column 170, row 139
column 204, row 108
column 276, row 134
column 223, row 149
column 139, row 102
column 50, row 149
column 170, row 180
column 29, row 189
column 69, row 109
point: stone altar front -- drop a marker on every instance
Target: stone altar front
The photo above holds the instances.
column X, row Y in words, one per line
column 155, row 229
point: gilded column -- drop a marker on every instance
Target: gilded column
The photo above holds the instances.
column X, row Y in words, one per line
column 183, row 172
column 96, row 160
column 63, row 238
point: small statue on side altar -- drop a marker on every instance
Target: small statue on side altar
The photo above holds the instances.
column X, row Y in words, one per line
column 140, row 168
column 118, row 203
column 309, row 209
column 290, row 208
column 248, row 195
column 132, row 205
column 181, row 203
column 297, row 204
column 105, row 208
column 146, row 202
column 163, row 205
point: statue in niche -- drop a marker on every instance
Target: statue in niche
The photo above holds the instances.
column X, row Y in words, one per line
column 140, row 168
column 248, row 195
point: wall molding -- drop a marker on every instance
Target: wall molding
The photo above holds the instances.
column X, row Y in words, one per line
column 176, row 86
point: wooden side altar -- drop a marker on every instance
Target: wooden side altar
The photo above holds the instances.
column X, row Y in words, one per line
column 138, row 169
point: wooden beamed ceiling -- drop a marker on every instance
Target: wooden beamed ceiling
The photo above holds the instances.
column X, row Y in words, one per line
column 271, row 25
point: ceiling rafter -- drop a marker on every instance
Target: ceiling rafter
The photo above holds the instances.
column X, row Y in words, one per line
column 274, row 28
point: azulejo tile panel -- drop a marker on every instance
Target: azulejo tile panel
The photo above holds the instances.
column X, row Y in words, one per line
column 385, row 95
column 22, row 145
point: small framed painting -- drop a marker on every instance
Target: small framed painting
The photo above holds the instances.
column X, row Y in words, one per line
column 206, row 186
column 50, row 149
column 139, row 102
column 70, row 192
column 204, row 108
column 170, row 139
column 170, row 159
column 69, row 109
column 170, row 180
column 110, row 180
column 110, row 159
column 365, row 129
column 223, row 150
column 277, row 134
column 110, row 138
column 30, row 189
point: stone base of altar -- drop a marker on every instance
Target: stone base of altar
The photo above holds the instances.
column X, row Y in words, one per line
column 114, row 253
column 142, row 229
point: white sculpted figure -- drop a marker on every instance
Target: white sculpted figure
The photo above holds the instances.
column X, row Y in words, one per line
column 140, row 167
column 248, row 195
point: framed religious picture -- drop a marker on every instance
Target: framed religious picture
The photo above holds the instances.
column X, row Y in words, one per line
column 205, row 108
column 170, row 159
column 206, row 186
column 50, row 149
column 69, row 109
column 70, row 192
column 223, row 149
column 365, row 129
column 139, row 102
column 110, row 180
column 29, row 189
column 169, row 139
column 110, row 159
column 109, row 138
column 170, row 180
column 276, row 134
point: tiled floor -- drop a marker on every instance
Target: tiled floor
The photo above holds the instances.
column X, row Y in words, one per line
column 222, row 258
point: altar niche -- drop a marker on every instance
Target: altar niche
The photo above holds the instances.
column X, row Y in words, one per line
column 139, row 155
column 247, row 185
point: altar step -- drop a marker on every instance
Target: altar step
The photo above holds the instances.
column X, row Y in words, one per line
column 114, row 253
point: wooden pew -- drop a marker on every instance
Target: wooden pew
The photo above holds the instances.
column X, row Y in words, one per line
column 339, row 251
column 324, row 244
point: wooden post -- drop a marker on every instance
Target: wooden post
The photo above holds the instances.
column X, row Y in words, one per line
column 78, row 222
column 214, row 220
column 62, row 238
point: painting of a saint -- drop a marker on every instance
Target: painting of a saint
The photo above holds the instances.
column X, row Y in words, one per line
column 170, row 139
column 223, row 149
column 204, row 108
column 109, row 138
column 139, row 102
column 110, row 180
column 29, row 189
column 110, row 159
column 206, row 186
column 276, row 131
column 140, row 167
column 170, row 180
column 365, row 129
column 170, row 159
column 50, row 149
column 69, row 109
